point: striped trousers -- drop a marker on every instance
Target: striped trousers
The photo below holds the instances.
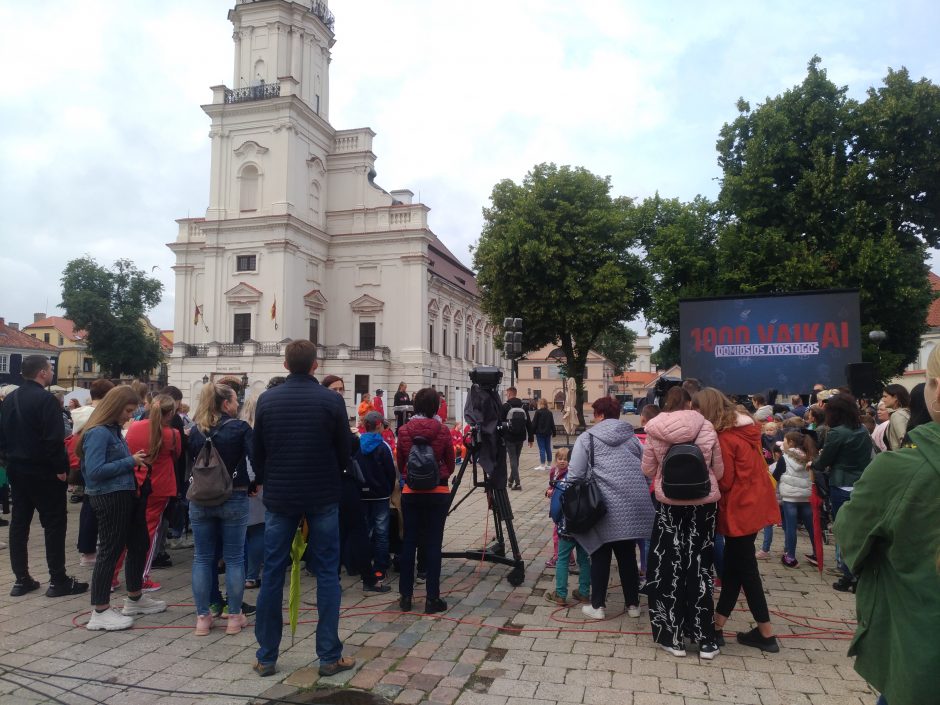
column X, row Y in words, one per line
column 122, row 524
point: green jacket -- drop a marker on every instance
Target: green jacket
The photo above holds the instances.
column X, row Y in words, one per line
column 890, row 537
column 845, row 455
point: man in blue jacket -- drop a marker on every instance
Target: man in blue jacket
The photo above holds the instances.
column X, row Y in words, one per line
column 301, row 444
column 32, row 438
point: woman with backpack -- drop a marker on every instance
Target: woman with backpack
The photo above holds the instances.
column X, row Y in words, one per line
column 216, row 512
column 748, row 503
column 543, row 426
column 425, row 461
column 112, row 490
column 683, row 460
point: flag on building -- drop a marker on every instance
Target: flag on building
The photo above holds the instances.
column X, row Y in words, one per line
column 274, row 312
column 196, row 314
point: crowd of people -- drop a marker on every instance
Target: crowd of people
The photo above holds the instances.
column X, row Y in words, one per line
column 686, row 496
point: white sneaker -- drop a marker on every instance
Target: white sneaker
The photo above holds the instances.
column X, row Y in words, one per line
column 145, row 605
column 539, row 468
column 109, row 620
column 633, row 610
column 674, row 652
column 594, row 612
column 87, row 560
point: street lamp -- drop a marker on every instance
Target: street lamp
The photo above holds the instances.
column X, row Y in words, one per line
column 205, row 379
column 512, row 345
column 244, row 387
column 877, row 337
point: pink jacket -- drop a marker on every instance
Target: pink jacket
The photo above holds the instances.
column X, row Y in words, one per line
column 667, row 429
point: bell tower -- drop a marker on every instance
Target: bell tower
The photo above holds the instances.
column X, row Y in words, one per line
column 276, row 39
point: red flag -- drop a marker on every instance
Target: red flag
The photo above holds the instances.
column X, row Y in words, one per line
column 196, row 314
column 274, row 309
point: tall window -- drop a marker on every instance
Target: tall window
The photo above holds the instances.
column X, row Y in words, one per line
column 366, row 335
column 246, row 263
column 4, row 363
column 536, row 373
column 444, row 342
column 315, row 331
column 361, row 386
column 88, row 364
column 430, row 337
column 242, row 329
column 457, row 342
column 248, row 190
column 45, row 337
column 61, row 341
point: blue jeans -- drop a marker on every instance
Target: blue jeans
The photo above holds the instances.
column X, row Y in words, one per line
column 227, row 521
column 545, row 448
column 565, row 547
column 279, row 530
column 377, row 515
column 793, row 514
column 768, row 538
column 254, row 551
column 838, row 497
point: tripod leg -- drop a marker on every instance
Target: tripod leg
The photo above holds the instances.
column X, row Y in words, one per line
column 502, row 510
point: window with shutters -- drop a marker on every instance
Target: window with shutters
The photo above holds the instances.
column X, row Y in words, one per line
column 242, row 328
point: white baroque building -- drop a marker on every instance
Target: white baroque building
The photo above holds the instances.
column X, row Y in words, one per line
column 299, row 241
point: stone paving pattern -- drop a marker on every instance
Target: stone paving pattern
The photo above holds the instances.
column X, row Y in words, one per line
column 544, row 655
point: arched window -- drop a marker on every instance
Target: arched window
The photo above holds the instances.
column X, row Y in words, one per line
column 248, row 189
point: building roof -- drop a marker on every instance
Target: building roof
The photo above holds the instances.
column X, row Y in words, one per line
column 63, row 325
column 933, row 313
column 18, row 340
column 444, row 264
column 640, row 378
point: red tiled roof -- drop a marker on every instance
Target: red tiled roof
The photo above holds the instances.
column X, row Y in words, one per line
column 933, row 313
column 636, row 377
column 12, row 338
column 63, row 325
column 446, row 266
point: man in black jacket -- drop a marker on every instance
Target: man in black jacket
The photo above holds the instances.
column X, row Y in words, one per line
column 301, row 443
column 518, row 429
column 32, row 438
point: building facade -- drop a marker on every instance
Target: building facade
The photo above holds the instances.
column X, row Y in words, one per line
column 539, row 376
column 300, row 242
column 16, row 345
column 916, row 372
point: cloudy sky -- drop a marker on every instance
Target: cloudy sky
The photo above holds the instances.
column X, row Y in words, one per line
column 103, row 144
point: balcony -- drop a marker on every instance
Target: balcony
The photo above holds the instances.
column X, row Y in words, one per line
column 378, row 353
column 250, row 93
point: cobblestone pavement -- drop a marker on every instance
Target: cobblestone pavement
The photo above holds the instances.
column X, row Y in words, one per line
column 496, row 645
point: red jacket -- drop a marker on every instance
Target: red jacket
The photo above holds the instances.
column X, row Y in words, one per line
column 437, row 434
column 163, row 478
column 748, row 502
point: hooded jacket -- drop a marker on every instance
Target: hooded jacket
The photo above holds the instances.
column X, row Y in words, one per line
column 889, row 533
column 378, row 468
column 748, row 501
column 617, row 471
column 666, row 430
column 794, row 484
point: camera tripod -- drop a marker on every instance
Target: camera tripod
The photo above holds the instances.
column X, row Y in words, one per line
column 498, row 500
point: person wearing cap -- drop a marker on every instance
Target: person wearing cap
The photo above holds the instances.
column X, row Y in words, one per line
column 378, row 472
column 378, row 402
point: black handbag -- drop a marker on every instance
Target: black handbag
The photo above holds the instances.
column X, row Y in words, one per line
column 582, row 502
column 146, row 487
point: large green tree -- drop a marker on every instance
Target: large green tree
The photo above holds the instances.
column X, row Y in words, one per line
column 558, row 251
column 617, row 344
column 110, row 305
column 822, row 191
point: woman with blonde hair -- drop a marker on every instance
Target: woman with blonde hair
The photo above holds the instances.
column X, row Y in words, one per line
column 543, row 426
column 889, row 532
column 748, row 503
column 108, row 468
column 163, row 446
column 216, row 419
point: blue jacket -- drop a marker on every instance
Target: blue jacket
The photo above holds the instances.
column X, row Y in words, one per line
column 301, row 442
column 378, row 468
column 107, row 463
column 232, row 438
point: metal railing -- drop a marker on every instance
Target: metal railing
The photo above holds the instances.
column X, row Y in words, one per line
column 197, row 350
column 260, row 92
column 267, row 349
column 231, row 349
column 321, row 11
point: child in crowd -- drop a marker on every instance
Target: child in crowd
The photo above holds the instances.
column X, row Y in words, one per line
column 388, row 435
column 794, row 487
column 565, row 544
column 557, row 472
column 770, row 438
column 456, row 435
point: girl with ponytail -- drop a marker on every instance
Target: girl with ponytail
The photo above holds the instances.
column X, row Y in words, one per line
column 163, row 446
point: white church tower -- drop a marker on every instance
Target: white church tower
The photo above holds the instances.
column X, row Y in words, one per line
column 298, row 240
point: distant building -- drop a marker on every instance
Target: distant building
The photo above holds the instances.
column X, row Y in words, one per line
column 14, row 346
column 916, row 372
column 300, row 242
column 539, row 376
column 643, row 349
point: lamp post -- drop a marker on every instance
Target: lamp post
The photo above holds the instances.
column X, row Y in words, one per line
column 877, row 337
column 512, row 345
column 205, row 379
column 244, row 387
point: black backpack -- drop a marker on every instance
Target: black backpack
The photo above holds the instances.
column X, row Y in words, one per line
column 685, row 473
column 423, row 471
column 517, row 418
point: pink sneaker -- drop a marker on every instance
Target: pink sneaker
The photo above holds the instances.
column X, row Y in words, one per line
column 550, row 563
column 236, row 622
column 150, row 586
column 203, row 625
column 763, row 555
